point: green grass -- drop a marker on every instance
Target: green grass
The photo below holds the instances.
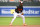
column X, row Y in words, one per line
column 19, row 21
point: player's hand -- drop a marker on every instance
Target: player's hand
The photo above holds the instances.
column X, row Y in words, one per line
column 22, row 14
column 19, row 11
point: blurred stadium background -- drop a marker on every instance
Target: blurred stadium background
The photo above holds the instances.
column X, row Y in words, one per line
column 31, row 12
column 16, row 2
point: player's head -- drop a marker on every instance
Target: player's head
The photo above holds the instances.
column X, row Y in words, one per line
column 21, row 3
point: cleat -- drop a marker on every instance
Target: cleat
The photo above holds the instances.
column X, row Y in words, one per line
column 25, row 24
column 10, row 24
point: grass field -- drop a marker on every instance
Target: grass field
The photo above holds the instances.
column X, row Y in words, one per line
column 19, row 21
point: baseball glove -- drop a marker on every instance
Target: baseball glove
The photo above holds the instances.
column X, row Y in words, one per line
column 22, row 14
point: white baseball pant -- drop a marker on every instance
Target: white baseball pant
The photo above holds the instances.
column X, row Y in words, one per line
column 18, row 14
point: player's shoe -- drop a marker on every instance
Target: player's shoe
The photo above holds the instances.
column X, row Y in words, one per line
column 25, row 24
column 10, row 24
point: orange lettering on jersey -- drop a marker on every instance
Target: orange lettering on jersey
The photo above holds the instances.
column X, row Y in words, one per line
column 19, row 9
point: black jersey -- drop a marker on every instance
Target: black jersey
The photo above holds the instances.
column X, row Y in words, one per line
column 19, row 8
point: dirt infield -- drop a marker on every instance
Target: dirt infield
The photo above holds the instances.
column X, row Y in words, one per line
column 23, row 26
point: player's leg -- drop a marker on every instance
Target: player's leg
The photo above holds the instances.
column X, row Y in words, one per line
column 23, row 19
column 15, row 15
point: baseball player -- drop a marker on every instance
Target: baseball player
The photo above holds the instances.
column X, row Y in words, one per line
column 19, row 12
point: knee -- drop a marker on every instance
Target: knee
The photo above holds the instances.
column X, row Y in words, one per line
column 23, row 17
